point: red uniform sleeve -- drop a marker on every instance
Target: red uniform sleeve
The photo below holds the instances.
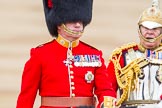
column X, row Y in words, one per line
column 112, row 76
column 103, row 87
column 111, row 73
column 30, row 82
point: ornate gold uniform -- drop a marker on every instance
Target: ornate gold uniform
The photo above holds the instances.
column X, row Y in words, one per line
column 138, row 74
column 136, row 69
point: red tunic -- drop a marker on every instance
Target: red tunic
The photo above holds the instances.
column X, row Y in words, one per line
column 45, row 71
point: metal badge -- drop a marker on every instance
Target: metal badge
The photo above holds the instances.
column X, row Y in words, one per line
column 89, row 77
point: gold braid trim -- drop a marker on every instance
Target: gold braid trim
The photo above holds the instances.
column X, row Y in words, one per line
column 126, row 76
column 142, row 48
column 119, row 50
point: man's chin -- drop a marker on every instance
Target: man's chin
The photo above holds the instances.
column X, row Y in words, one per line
column 151, row 46
column 76, row 36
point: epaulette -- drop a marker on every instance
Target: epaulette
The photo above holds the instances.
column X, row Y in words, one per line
column 89, row 45
column 159, row 48
column 48, row 42
column 122, row 48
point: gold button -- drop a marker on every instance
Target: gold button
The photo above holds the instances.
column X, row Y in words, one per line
column 71, row 72
column 73, row 95
column 72, row 87
column 62, row 42
column 71, row 66
column 72, row 83
column 72, row 77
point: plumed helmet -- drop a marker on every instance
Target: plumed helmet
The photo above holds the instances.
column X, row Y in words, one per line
column 151, row 17
column 61, row 11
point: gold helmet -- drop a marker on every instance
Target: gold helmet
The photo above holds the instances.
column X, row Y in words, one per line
column 151, row 17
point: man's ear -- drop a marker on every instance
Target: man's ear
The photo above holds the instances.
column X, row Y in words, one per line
column 59, row 27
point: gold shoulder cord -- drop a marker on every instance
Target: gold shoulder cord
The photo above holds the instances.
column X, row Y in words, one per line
column 126, row 76
column 159, row 48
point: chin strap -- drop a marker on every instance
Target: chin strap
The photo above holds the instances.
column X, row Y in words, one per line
column 149, row 40
column 141, row 48
column 66, row 29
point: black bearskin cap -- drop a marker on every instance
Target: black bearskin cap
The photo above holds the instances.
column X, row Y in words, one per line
column 62, row 11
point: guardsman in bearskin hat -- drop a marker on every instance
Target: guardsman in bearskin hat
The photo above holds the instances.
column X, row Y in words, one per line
column 66, row 71
column 136, row 69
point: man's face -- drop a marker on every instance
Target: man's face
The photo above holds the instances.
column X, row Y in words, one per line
column 74, row 27
column 150, row 34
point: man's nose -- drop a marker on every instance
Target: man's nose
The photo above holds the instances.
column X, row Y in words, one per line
column 78, row 24
column 150, row 31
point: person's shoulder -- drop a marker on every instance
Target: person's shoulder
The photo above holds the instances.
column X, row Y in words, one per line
column 125, row 48
column 159, row 49
column 42, row 47
column 88, row 46
column 46, row 44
